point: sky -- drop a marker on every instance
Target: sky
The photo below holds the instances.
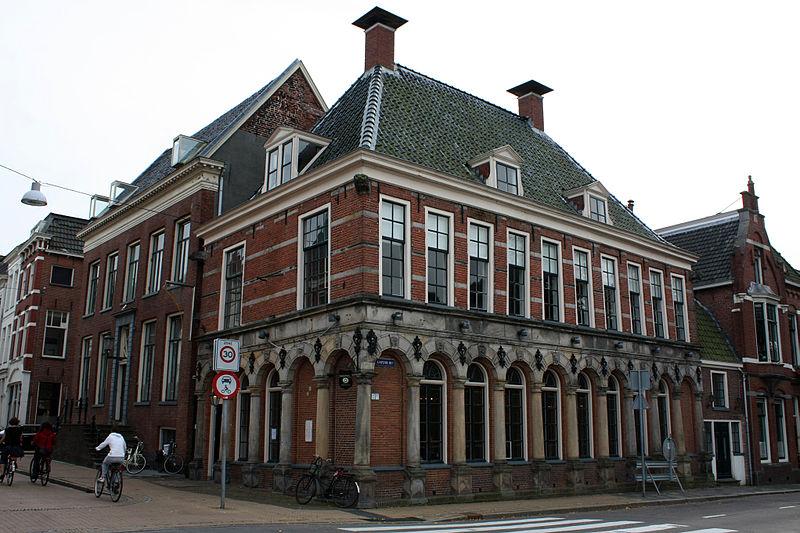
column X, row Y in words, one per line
column 671, row 104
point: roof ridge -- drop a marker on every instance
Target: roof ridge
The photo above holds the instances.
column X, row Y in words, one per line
column 699, row 223
column 372, row 110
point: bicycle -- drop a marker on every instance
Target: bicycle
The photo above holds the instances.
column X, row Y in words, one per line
column 173, row 463
column 342, row 488
column 40, row 469
column 134, row 458
column 113, row 481
column 8, row 470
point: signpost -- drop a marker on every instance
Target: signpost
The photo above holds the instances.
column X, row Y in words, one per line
column 225, row 386
column 640, row 382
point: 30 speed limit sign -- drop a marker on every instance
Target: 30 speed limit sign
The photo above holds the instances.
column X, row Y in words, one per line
column 226, row 355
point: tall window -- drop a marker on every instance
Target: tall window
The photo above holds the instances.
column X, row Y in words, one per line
column 286, row 162
column 767, row 332
column 180, row 264
column 507, row 178
column 657, row 293
column 663, row 410
column 438, row 237
column 635, row 296
column 274, row 395
column 234, row 271
column 431, row 414
column 719, row 390
column 679, row 301
column 550, row 277
column 780, row 430
column 112, row 264
column 393, row 249
column 55, row 334
column 103, row 353
column 614, row 422
column 515, row 415
column 132, row 271
column 597, row 209
column 610, row 292
column 146, row 360
column 478, row 267
column 172, row 359
column 763, row 429
column 91, row 289
column 793, row 339
column 583, row 404
column 86, row 363
column 315, row 259
column 243, row 401
column 475, row 413
column 517, row 275
column 758, row 271
column 272, row 169
column 156, row 259
column 582, row 287
column 551, row 416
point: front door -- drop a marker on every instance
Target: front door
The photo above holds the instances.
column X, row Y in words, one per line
column 722, row 449
column 217, row 410
column 48, row 402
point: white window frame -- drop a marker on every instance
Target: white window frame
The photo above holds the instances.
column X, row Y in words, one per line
column 487, row 423
column 616, row 290
column 668, row 395
column 663, row 302
column 221, row 308
column 642, row 315
column 176, row 252
column 108, row 299
column 130, row 297
column 724, row 387
column 243, row 394
column 145, row 324
column 758, row 269
column 278, row 140
column 71, row 277
column 617, row 393
column 81, row 383
column 602, row 200
column 103, row 366
column 168, row 323
column 300, row 263
column 490, row 293
column 93, row 299
column 561, row 311
column 493, row 175
column 672, row 276
column 590, row 403
column 443, row 383
column 149, row 280
column 267, row 391
column 527, row 289
column 766, row 430
column 559, row 413
column 525, row 428
column 591, row 284
column 406, row 245
column 450, row 254
column 508, row 157
column 794, row 342
column 65, row 321
column 781, row 428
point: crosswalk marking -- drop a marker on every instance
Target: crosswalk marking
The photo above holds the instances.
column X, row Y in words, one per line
column 482, row 527
column 711, row 530
column 449, row 526
column 715, row 516
column 646, row 529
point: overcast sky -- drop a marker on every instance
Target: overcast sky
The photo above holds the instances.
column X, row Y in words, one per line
column 671, row 104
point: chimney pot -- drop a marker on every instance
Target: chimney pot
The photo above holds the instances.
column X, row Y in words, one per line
column 379, row 26
column 749, row 198
column 529, row 96
column 630, row 206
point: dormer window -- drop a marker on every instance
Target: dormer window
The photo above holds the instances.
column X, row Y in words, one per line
column 597, row 209
column 184, row 148
column 507, row 178
column 289, row 153
column 499, row 169
column 590, row 201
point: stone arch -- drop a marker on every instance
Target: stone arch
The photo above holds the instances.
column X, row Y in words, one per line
column 692, row 427
column 301, row 374
column 332, row 361
column 388, row 421
column 400, row 356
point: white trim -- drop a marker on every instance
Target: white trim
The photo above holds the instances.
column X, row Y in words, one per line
column 267, row 391
column 527, row 299
column 686, row 328
column 237, row 428
column 175, row 241
column 561, row 310
column 618, row 303
column 148, row 279
column 524, row 402
column 724, row 388
column 300, row 263
column 712, row 220
column 490, row 293
column 277, row 141
column 141, row 361
column 125, row 296
column 665, row 320
column 450, row 253
column 712, row 285
column 618, row 399
column 486, row 426
column 668, row 395
column 590, row 268
column 104, row 366
column 66, row 334
column 86, row 310
column 168, row 327
column 590, row 403
column 444, row 429
column 642, row 315
column 81, row 384
column 71, row 278
column 767, row 303
column 108, row 299
column 559, row 414
column 721, row 364
column 222, row 291
column 782, row 427
column 406, row 245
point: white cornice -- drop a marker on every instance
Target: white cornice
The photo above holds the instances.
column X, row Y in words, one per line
column 719, row 364
column 713, row 285
column 395, row 171
column 713, row 220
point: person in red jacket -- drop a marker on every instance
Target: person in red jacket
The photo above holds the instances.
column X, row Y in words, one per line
column 44, row 441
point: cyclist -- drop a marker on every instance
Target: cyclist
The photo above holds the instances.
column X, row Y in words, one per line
column 43, row 442
column 11, row 442
column 116, row 450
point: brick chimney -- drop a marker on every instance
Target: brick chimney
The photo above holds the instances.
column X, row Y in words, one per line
column 379, row 25
column 749, row 198
column 530, row 95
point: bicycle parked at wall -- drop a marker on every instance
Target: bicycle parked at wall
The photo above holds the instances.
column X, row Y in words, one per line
column 112, row 482
column 171, row 461
column 134, row 458
column 339, row 486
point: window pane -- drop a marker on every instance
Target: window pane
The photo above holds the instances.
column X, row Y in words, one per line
column 286, row 162
column 233, row 287
column 305, row 153
column 393, row 249
column 61, row 276
column 479, row 267
column 550, row 274
column 438, row 238
column 315, row 259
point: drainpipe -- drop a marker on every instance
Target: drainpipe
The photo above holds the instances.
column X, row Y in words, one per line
column 746, row 391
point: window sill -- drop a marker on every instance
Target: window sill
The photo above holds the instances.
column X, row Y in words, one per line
column 555, row 461
column 722, row 409
column 56, row 357
column 517, row 462
column 105, row 310
column 141, row 404
column 388, row 468
column 61, row 285
column 89, row 315
column 168, row 402
column 149, row 295
column 98, row 405
column 479, row 464
column 434, row 466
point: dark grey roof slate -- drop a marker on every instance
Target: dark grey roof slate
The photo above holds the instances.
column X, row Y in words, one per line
column 63, row 230
column 432, row 124
column 714, row 344
column 714, row 244
column 792, row 274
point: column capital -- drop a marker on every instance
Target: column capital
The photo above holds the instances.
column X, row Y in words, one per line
column 286, row 386
column 602, row 391
column 413, row 380
column 459, row 383
column 536, row 388
column 255, row 392
column 499, row 385
column 322, row 382
column 365, row 378
column 698, row 396
column 675, row 394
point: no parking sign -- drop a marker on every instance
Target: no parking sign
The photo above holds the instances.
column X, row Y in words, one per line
column 226, row 355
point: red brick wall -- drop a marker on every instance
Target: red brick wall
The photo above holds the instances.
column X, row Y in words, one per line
column 388, row 424
column 342, row 422
column 305, row 408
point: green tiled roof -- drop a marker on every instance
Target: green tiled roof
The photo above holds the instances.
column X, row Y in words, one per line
column 714, row 344
column 791, row 273
column 410, row 116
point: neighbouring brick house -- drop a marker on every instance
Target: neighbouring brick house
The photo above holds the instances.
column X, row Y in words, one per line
column 754, row 295
column 144, row 266
column 485, row 294
column 40, row 309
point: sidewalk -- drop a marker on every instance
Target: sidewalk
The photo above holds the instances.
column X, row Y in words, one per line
column 260, row 506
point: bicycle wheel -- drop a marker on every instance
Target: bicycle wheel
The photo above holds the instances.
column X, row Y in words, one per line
column 98, row 483
column 344, row 492
column 44, row 474
column 173, row 464
column 116, row 485
column 10, row 473
column 34, row 469
column 306, row 488
column 135, row 463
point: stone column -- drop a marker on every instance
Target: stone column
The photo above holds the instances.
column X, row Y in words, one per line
column 322, row 442
column 282, row 473
column 698, row 422
column 677, row 423
column 501, row 471
column 414, row 485
column 537, row 425
column 571, row 418
column 253, row 444
column 461, row 478
column 200, row 436
column 367, row 480
column 629, row 415
column 601, row 424
column 653, row 426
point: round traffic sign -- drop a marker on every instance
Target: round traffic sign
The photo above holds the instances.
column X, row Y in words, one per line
column 227, row 354
column 225, row 385
column 669, row 450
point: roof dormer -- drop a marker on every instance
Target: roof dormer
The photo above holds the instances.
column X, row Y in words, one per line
column 591, row 201
column 184, row 148
column 500, row 168
column 289, row 153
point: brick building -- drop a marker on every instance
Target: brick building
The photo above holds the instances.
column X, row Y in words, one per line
column 430, row 289
column 143, row 268
column 754, row 294
column 39, row 314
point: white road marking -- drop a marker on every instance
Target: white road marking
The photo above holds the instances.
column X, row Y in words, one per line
column 451, row 525
column 715, row 516
column 787, row 507
column 711, row 530
column 582, row 527
column 554, row 525
column 646, row 529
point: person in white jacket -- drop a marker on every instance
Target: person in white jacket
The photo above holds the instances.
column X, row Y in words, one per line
column 116, row 451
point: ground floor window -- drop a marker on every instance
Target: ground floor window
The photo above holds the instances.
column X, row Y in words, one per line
column 273, row 418
column 515, row 415
column 551, row 407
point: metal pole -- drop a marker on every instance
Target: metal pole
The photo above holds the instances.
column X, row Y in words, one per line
column 224, row 437
column 641, row 433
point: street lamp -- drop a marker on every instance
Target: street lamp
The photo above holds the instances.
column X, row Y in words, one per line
column 35, row 197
